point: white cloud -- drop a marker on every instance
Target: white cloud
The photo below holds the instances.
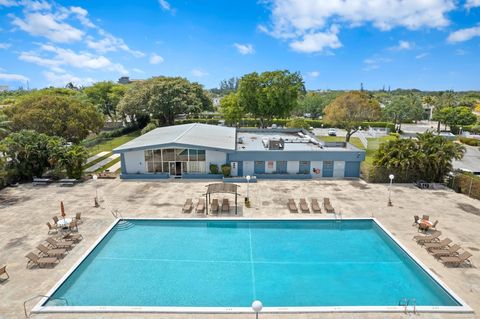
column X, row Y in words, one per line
column 307, row 22
column 461, row 52
column 48, row 26
column 199, row 73
column 244, row 49
column 61, row 79
column 5, row 45
column 81, row 15
column 110, row 43
column 139, row 71
column 13, row 77
column 313, row 74
column 8, row 3
column 156, row 59
column 402, row 45
column 317, row 42
column 464, row 34
column 472, row 4
column 422, row 55
column 166, row 6
column 374, row 63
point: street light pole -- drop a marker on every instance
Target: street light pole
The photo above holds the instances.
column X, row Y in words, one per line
column 257, row 307
column 95, row 177
column 391, row 176
column 248, row 187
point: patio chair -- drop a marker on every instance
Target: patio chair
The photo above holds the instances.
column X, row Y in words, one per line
column 40, row 261
column 450, row 251
column 292, row 206
column 57, row 252
column 70, row 237
column 73, row 226
column 416, row 218
column 304, row 206
column 425, row 217
column 328, row 206
column 59, row 244
column 188, row 206
column 55, row 220
column 428, row 238
column 52, row 229
column 456, row 261
column 3, row 271
column 434, row 225
column 78, row 218
column 200, row 209
column 214, row 205
column 315, row 206
column 225, row 205
column 441, row 244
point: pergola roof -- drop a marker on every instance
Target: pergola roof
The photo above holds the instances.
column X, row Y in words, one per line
column 222, row 188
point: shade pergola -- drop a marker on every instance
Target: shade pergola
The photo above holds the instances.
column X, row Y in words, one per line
column 221, row 188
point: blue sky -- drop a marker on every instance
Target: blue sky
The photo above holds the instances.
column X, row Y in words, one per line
column 335, row 44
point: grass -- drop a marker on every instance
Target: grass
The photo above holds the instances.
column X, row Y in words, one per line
column 110, row 144
column 106, row 166
column 97, row 160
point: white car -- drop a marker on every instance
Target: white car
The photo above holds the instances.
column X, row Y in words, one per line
column 332, row 132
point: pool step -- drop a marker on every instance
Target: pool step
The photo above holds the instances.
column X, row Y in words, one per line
column 124, row 225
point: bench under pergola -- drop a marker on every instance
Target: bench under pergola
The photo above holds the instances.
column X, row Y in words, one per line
column 221, row 188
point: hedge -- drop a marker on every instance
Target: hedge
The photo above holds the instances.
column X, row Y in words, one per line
column 469, row 141
column 465, row 183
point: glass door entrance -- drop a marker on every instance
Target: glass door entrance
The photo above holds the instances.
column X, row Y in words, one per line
column 175, row 168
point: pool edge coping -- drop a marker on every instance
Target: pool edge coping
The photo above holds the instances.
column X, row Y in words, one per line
column 39, row 308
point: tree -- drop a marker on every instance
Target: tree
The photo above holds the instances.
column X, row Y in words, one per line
column 445, row 99
column 403, row 107
column 227, row 86
column 230, row 109
column 350, row 109
column 456, row 117
column 4, row 125
column 270, row 94
column 314, row 103
column 72, row 159
column 55, row 115
column 106, row 96
column 162, row 98
column 298, row 122
column 429, row 157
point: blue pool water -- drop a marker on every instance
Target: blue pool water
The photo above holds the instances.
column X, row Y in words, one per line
column 231, row 263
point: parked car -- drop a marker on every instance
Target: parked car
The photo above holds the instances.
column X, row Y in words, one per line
column 332, row 132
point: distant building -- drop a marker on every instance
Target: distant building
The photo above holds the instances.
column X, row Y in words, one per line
column 189, row 150
column 127, row 80
column 3, row 88
column 428, row 111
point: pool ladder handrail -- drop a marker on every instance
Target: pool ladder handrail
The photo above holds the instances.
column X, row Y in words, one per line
column 116, row 213
column 406, row 302
column 27, row 315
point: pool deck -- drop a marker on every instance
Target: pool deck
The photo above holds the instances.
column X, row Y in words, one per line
column 24, row 210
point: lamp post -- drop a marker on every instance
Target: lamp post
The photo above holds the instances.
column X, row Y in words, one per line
column 95, row 177
column 257, row 307
column 391, row 176
column 248, row 187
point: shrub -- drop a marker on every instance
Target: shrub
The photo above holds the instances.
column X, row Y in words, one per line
column 226, row 170
column 298, row 123
column 469, row 141
column 150, row 127
column 213, row 169
column 396, row 135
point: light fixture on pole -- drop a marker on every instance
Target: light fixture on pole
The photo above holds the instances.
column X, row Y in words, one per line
column 391, row 176
column 95, row 177
column 248, row 187
column 257, row 307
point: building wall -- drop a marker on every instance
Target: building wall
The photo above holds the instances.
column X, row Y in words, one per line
column 338, row 169
column 248, row 168
column 135, row 162
column 292, row 167
column 215, row 157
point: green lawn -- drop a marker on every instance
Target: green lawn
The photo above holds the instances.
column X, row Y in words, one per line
column 109, row 144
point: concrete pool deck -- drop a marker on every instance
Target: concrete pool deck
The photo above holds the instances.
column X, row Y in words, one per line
column 25, row 210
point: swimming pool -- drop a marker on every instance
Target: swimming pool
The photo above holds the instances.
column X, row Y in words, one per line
column 223, row 265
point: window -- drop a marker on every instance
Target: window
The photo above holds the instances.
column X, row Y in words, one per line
column 168, row 154
column 181, row 155
column 157, row 155
column 192, row 155
column 201, row 155
column 157, row 161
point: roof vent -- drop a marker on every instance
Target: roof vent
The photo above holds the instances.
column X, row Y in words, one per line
column 276, row 144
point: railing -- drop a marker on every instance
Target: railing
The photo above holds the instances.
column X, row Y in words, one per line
column 116, row 213
column 363, row 139
column 406, row 303
column 27, row 315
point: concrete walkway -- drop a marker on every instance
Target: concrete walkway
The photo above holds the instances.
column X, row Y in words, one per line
column 115, row 167
column 95, row 157
column 93, row 168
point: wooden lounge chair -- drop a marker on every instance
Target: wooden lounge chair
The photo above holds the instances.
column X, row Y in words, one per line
column 416, row 218
column 214, row 205
column 78, row 218
column 449, row 251
column 456, row 261
column 315, row 206
column 3, row 271
column 188, row 206
column 328, row 206
column 428, row 238
column 304, row 206
column 292, row 206
column 57, row 252
column 55, row 220
column 59, row 244
column 440, row 244
column 73, row 227
column 200, row 209
column 52, row 229
column 40, row 261
column 225, row 205
column 70, row 237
